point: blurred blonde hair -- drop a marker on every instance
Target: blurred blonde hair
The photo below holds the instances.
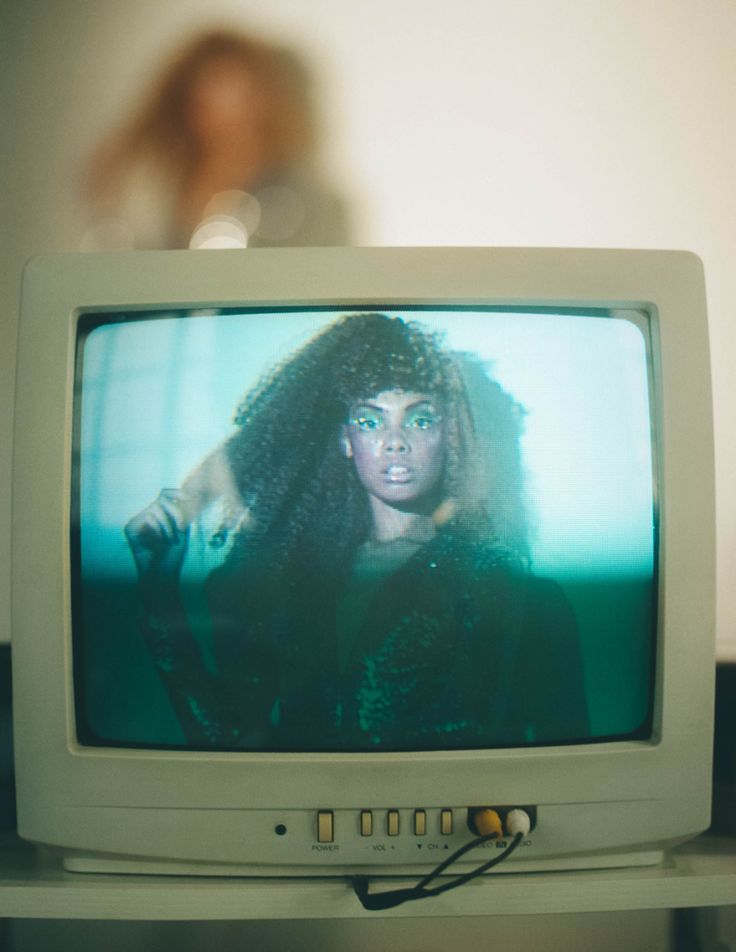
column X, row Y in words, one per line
column 158, row 132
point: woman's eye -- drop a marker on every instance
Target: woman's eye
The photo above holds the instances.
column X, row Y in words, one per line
column 421, row 421
column 366, row 422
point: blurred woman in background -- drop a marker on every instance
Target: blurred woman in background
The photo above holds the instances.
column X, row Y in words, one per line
column 221, row 152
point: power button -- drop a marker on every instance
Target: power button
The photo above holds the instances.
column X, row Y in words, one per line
column 325, row 826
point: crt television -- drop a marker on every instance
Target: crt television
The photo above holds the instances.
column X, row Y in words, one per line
column 316, row 551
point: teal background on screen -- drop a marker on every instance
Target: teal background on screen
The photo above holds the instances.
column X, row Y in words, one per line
column 158, row 395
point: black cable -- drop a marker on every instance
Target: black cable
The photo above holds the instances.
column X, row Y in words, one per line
column 466, row 877
column 395, row 897
column 453, row 857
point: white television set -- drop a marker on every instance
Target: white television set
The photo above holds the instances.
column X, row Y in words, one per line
column 317, row 551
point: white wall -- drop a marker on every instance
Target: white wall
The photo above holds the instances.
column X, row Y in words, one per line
column 482, row 122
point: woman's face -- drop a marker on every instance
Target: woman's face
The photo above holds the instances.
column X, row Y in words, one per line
column 396, row 440
column 225, row 100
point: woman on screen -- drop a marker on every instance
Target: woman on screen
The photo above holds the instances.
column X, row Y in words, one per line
column 363, row 600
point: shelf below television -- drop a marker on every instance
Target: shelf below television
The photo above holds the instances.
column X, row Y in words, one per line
column 700, row 873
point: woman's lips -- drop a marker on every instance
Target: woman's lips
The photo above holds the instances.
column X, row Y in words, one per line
column 398, row 474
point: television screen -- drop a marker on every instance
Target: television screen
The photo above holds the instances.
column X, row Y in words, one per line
column 312, row 528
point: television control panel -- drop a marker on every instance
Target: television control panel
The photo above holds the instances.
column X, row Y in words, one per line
column 390, row 823
column 406, row 836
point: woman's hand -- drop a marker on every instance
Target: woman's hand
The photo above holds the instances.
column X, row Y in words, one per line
column 158, row 537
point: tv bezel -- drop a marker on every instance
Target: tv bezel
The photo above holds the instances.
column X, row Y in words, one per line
column 82, row 798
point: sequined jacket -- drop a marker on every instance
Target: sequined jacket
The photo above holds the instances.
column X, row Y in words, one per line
column 459, row 648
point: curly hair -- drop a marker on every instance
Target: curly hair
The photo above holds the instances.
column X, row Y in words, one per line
column 301, row 494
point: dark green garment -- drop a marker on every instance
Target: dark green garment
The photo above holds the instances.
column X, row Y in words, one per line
column 460, row 647
column 463, row 648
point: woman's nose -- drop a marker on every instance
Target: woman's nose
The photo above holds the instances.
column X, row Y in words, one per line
column 396, row 442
